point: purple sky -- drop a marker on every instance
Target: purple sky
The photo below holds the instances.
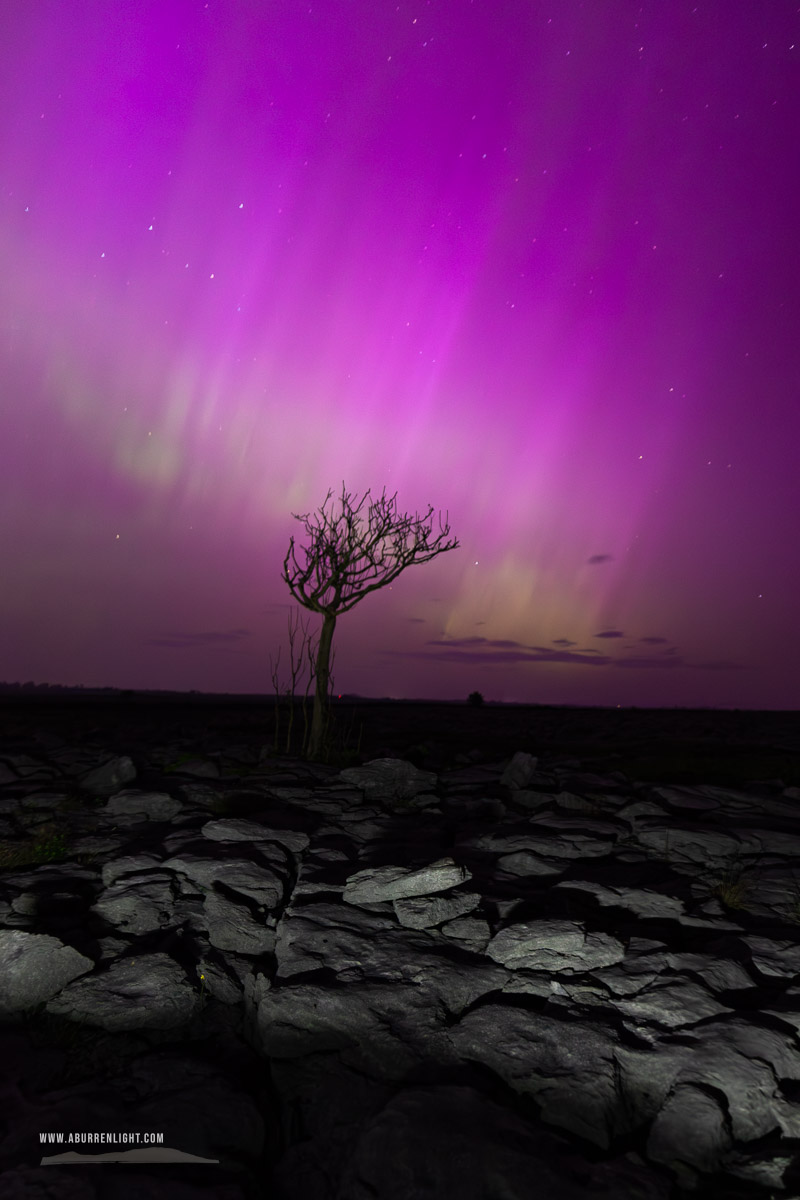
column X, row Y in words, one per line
column 534, row 264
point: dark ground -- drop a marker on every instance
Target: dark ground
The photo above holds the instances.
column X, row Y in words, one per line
column 724, row 747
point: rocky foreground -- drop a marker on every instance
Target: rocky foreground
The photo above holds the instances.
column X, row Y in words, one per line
column 490, row 980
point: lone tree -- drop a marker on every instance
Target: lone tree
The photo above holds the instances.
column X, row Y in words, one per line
column 339, row 559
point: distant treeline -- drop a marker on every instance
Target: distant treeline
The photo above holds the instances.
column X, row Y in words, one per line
column 51, row 687
column 61, row 689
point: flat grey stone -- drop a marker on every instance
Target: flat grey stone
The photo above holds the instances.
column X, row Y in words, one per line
column 568, row 984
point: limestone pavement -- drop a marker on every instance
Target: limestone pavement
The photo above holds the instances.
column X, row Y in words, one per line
column 495, row 981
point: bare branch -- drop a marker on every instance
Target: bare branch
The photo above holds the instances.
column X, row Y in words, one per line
column 342, row 560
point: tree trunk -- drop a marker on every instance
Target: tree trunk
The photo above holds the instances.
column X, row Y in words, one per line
column 321, row 691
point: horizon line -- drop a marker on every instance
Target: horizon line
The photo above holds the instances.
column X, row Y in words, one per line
column 41, row 689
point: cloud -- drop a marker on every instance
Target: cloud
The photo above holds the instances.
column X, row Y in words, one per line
column 479, row 651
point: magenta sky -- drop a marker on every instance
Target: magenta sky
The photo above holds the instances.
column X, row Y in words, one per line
column 535, row 264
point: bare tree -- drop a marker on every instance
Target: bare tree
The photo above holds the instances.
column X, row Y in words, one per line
column 334, row 558
column 289, row 693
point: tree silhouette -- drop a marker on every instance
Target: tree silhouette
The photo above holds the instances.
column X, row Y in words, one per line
column 334, row 557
